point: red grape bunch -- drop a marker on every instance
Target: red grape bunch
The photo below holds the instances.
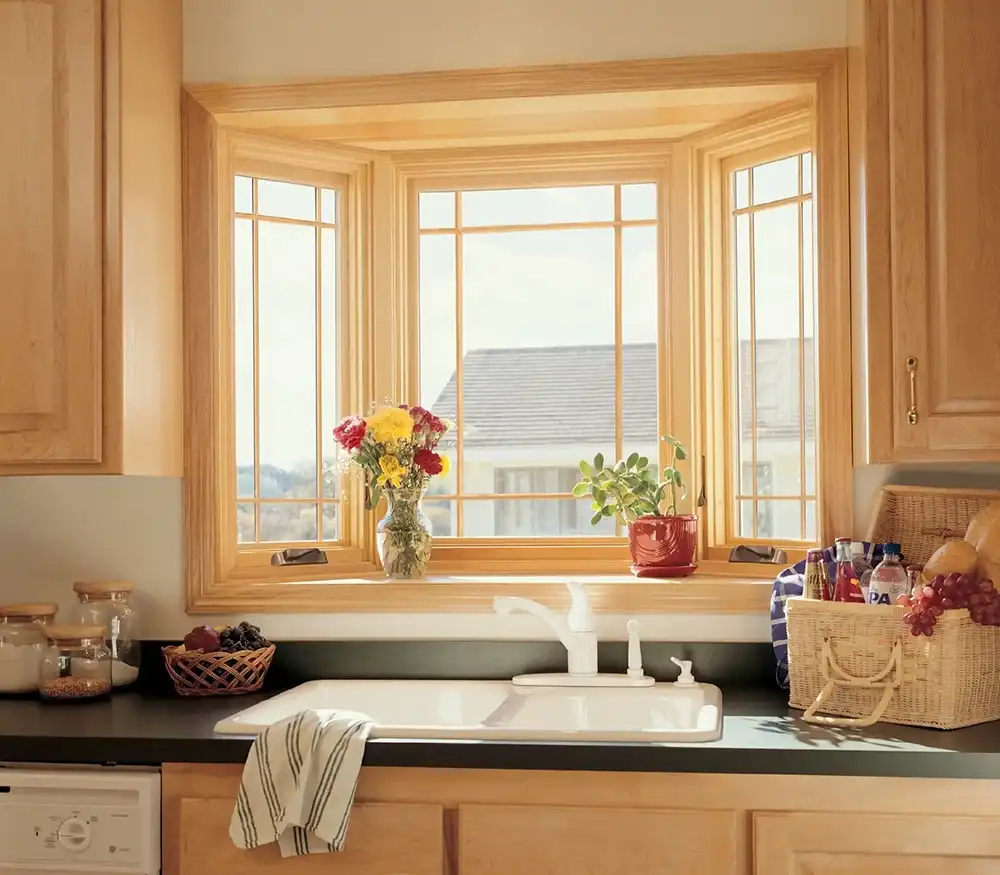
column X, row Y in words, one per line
column 944, row 593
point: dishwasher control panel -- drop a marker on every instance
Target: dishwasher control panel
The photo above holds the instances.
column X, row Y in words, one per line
column 86, row 820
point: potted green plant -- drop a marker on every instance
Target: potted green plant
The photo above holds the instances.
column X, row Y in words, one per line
column 662, row 542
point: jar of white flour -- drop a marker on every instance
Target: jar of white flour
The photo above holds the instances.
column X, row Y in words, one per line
column 22, row 641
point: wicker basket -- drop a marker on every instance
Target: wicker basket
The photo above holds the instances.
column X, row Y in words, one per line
column 922, row 518
column 861, row 662
column 217, row 674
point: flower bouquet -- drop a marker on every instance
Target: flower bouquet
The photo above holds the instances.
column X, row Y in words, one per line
column 395, row 449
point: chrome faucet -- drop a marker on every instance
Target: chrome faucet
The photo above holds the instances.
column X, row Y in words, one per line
column 577, row 631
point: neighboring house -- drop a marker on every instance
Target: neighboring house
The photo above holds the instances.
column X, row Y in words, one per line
column 531, row 414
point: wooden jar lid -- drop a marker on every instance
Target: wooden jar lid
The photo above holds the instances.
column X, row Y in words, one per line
column 103, row 587
column 29, row 610
column 74, row 632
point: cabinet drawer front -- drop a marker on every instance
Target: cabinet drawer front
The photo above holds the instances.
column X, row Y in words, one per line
column 502, row 839
column 382, row 839
column 872, row 844
column 51, row 198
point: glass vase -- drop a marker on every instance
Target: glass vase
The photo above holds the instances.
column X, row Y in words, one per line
column 404, row 535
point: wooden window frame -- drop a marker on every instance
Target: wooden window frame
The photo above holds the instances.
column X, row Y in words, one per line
column 212, row 116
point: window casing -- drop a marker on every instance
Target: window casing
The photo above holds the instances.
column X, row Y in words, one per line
column 380, row 339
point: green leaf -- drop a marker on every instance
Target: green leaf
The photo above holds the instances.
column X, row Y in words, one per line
column 585, row 469
column 643, row 462
column 600, row 495
column 676, row 474
column 670, row 439
column 607, row 511
column 599, row 461
column 619, row 467
column 596, row 505
column 631, row 461
column 597, row 517
column 679, row 453
column 668, row 473
column 581, row 489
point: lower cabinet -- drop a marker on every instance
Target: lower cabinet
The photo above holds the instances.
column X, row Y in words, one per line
column 845, row 844
column 505, row 839
column 414, row 821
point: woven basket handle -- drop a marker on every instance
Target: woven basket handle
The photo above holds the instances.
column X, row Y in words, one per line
column 879, row 679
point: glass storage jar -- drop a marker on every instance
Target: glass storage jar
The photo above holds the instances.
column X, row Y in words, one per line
column 109, row 604
column 76, row 664
column 21, row 644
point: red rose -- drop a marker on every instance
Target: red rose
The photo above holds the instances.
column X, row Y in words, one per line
column 427, row 461
column 350, row 432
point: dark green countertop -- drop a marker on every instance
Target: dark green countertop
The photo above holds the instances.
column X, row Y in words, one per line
column 761, row 735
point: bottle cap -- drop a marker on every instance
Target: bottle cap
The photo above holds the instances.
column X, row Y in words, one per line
column 891, row 548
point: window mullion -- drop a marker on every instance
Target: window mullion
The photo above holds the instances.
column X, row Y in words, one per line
column 752, row 363
column 619, row 437
column 255, row 225
column 318, row 280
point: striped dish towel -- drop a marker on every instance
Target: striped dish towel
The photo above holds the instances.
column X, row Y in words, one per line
column 299, row 781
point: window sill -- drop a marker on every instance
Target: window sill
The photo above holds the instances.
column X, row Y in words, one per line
column 711, row 590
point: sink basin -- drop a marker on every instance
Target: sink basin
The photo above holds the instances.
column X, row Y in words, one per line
column 499, row 711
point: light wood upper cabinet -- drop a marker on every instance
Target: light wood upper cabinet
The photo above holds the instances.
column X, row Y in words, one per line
column 51, row 237
column 90, row 298
column 851, row 844
column 932, row 180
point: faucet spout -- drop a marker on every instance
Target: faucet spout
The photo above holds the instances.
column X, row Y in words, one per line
column 577, row 631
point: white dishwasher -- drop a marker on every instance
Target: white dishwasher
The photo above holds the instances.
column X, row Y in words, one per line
column 66, row 820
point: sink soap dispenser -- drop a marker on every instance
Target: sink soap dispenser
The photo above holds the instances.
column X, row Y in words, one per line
column 686, row 679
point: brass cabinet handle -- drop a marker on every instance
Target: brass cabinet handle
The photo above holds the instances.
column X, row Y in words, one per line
column 911, row 369
column 702, row 497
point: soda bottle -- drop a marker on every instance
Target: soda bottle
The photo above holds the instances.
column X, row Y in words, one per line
column 846, row 587
column 817, row 582
column 888, row 580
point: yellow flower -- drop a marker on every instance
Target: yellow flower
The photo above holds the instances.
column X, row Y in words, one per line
column 392, row 472
column 390, row 424
column 445, row 465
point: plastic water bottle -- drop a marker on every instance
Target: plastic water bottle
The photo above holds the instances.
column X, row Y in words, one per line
column 888, row 580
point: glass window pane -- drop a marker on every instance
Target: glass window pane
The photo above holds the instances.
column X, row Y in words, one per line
column 640, row 428
column 811, row 521
column 243, row 194
column 741, row 186
column 779, row 520
column 776, row 180
column 243, row 354
column 331, row 522
column 287, row 381
column 538, row 366
column 538, row 206
column 742, row 440
column 286, row 200
column 288, row 521
column 745, row 520
column 443, row 515
column 809, row 319
column 328, row 206
column 329, row 308
column 776, row 302
column 246, row 525
column 532, row 518
column 639, row 201
column 437, row 209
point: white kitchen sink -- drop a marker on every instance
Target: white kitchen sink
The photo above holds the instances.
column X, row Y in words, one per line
column 499, row 711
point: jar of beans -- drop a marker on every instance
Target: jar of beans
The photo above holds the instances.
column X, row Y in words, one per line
column 75, row 665
column 21, row 644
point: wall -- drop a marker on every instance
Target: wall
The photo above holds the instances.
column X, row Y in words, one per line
column 55, row 530
column 267, row 40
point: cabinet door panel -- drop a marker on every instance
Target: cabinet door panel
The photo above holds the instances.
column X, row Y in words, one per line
column 382, row 839
column 504, row 839
column 944, row 136
column 51, row 273
column 853, row 844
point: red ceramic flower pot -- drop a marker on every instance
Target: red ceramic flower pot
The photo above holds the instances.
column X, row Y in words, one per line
column 663, row 546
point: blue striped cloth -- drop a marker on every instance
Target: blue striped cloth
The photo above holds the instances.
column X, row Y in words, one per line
column 789, row 583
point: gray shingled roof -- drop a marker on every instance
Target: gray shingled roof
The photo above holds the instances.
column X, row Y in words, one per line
column 552, row 395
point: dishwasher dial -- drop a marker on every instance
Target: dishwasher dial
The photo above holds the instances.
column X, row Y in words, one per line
column 74, row 834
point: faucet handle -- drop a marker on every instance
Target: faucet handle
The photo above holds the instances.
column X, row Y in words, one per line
column 634, row 650
column 686, row 679
column 581, row 617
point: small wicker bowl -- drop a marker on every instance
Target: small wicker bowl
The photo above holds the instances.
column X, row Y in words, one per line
column 195, row 673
